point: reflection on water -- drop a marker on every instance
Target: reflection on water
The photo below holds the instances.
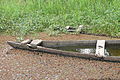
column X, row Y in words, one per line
column 91, row 50
column 86, row 50
column 114, row 52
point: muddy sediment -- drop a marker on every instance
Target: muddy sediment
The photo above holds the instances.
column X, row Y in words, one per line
column 26, row 65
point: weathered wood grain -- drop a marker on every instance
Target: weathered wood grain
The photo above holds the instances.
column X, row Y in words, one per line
column 67, row 53
column 100, row 48
column 82, row 43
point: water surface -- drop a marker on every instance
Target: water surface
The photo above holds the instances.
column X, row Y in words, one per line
column 91, row 50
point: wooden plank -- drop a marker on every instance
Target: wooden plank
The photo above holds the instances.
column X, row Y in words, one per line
column 112, row 43
column 35, row 43
column 82, row 43
column 69, row 43
column 112, row 58
column 100, row 48
column 26, row 41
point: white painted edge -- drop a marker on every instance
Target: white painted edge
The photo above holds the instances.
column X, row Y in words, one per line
column 100, row 48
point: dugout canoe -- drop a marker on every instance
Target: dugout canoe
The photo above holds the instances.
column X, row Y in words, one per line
column 51, row 47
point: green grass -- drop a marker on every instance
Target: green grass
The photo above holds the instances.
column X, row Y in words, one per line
column 21, row 17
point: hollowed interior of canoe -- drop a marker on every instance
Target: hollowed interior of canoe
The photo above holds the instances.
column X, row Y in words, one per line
column 110, row 51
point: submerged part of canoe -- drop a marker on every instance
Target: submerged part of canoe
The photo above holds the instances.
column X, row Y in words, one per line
column 48, row 46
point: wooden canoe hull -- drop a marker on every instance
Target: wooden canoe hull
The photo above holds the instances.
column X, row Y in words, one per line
column 46, row 46
column 85, row 43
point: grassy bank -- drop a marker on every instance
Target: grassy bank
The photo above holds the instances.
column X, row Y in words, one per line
column 20, row 17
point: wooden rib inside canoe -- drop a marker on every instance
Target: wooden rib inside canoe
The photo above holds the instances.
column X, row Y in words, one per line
column 47, row 46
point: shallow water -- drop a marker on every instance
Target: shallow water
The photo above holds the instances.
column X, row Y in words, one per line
column 91, row 50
